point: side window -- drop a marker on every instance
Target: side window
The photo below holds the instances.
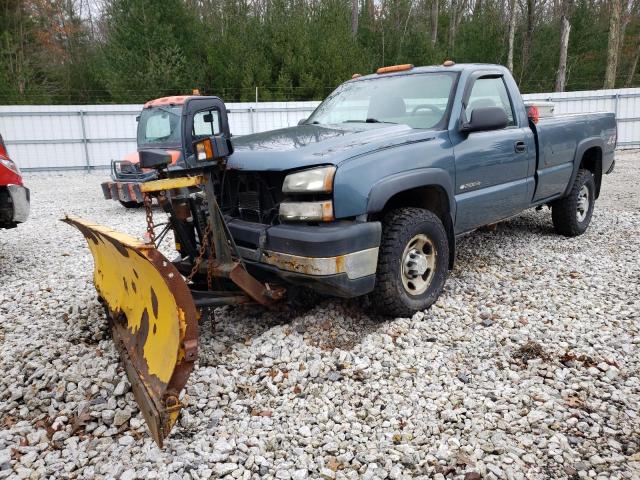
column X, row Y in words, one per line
column 490, row 92
column 206, row 123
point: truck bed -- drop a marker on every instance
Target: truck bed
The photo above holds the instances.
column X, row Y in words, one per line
column 559, row 139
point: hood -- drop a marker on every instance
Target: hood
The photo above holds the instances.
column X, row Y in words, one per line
column 309, row 145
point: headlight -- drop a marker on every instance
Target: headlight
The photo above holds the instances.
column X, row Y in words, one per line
column 307, row 211
column 315, row 180
column 10, row 165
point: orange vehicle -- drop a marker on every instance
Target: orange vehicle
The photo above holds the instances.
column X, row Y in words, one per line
column 162, row 126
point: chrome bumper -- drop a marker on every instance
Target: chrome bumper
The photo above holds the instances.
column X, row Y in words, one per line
column 20, row 198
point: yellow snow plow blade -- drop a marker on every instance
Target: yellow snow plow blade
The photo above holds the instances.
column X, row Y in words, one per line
column 153, row 317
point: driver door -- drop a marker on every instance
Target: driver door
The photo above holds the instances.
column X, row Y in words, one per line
column 491, row 166
column 203, row 117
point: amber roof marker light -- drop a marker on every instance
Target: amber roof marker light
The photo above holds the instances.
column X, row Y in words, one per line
column 355, row 75
column 394, row 68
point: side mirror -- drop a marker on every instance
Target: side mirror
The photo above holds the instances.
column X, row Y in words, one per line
column 484, row 119
column 302, row 121
column 157, row 159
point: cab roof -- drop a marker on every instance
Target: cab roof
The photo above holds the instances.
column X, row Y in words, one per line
column 456, row 67
column 173, row 100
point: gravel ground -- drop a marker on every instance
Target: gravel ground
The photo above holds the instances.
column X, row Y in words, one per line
column 527, row 366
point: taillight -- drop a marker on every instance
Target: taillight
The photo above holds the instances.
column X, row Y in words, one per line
column 3, row 149
column 533, row 113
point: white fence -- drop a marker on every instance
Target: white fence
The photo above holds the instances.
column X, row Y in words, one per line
column 47, row 137
column 56, row 137
column 625, row 102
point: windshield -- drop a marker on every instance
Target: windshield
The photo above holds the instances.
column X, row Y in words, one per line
column 160, row 127
column 417, row 100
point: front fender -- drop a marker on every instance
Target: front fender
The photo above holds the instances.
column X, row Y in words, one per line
column 386, row 188
column 363, row 184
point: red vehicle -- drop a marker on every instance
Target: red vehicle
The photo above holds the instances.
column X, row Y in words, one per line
column 14, row 196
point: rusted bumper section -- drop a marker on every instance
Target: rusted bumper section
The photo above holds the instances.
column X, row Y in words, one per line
column 122, row 191
column 153, row 318
column 354, row 265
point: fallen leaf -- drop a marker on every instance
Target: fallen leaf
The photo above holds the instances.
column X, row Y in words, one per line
column 575, row 402
column 79, row 421
column 15, row 454
column 261, row 413
column 334, row 464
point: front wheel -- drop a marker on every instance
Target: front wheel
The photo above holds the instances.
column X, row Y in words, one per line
column 412, row 263
column 571, row 215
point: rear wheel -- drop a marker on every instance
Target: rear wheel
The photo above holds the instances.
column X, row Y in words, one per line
column 412, row 264
column 131, row 204
column 571, row 215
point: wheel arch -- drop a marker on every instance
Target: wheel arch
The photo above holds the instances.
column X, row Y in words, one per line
column 592, row 160
column 430, row 189
column 589, row 156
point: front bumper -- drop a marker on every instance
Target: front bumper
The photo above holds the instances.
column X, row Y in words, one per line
column 18, row 205
column 338, row 259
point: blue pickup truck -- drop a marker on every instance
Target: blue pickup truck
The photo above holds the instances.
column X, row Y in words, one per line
column 368, row 195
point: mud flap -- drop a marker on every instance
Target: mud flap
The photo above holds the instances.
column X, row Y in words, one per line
column 153, row 317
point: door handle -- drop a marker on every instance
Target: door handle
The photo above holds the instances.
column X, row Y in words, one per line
column 520, row 147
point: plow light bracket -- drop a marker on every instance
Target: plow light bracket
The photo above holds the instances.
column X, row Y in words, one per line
column 212, row 149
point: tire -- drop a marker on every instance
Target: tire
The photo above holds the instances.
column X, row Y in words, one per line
column 397, row 293
column 571, row 215
column 132, row 204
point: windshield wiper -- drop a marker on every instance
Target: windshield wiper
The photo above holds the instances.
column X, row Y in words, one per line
column 369, row 120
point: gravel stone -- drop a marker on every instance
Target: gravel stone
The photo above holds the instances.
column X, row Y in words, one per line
column 330, row 390
column 121, row 417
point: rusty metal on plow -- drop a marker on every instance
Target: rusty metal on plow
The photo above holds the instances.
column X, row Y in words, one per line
column 153, row 316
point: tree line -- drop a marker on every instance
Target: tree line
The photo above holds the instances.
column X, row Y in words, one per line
column 128, row 51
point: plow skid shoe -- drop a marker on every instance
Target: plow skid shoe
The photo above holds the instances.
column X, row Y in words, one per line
column 153, row 318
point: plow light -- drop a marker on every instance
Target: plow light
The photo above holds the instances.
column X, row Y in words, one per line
column 204, row 150
column 214, row 148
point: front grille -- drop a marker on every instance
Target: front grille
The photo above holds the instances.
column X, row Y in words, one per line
column 253, row 196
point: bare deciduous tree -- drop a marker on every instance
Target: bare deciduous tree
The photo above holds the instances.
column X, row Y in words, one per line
column 528, row 34
column 613, row 44
column 354, row 18
column 434, row 22
column 561, row 75
column 634, row 64
column 512, row 33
